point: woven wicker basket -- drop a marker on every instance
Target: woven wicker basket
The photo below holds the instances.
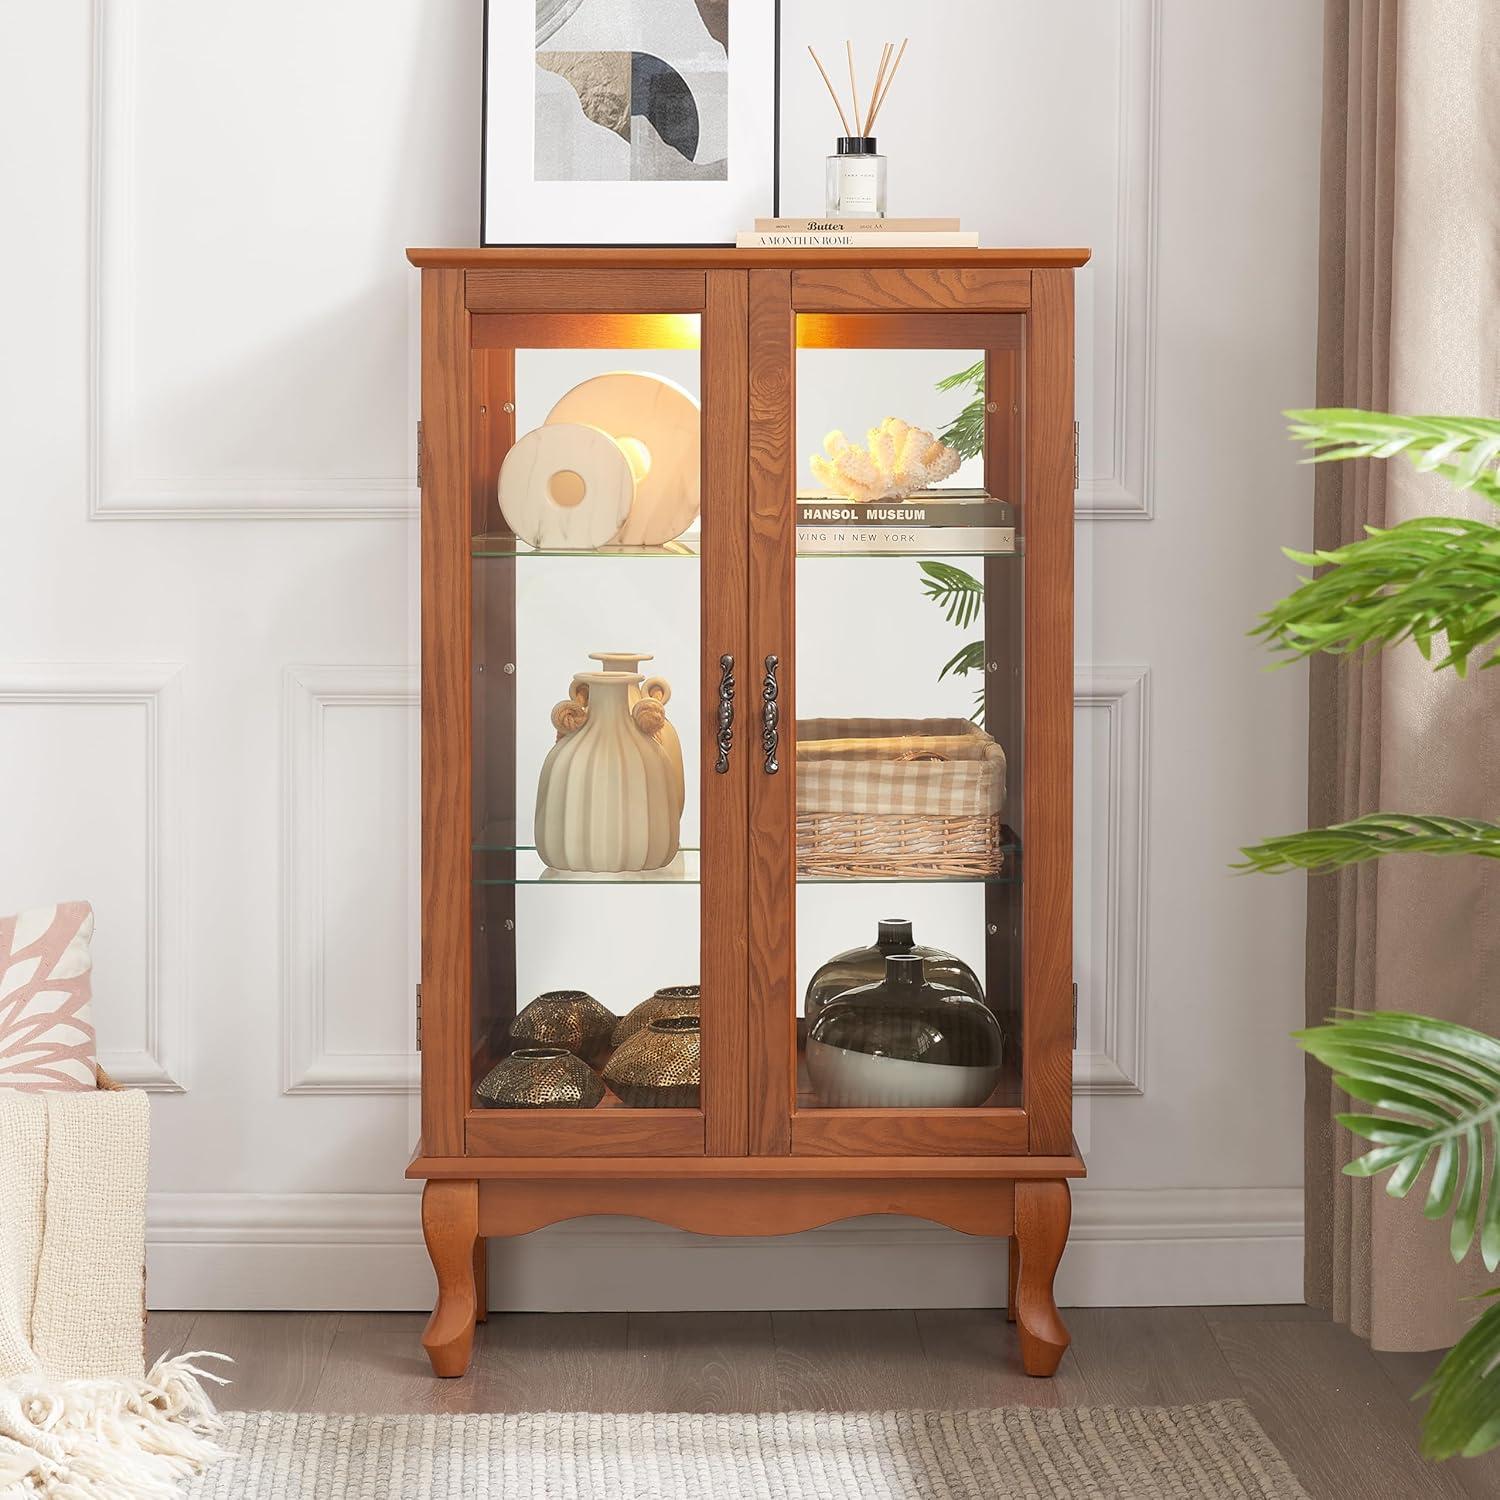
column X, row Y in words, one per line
column 898, row 798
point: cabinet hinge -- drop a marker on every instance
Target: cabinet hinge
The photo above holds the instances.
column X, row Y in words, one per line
column 1075, row 1012
column 419, row 454
column 1075, row 455
column 419, row 1017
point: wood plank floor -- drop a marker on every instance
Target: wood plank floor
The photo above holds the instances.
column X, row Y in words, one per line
column 1341, row 1415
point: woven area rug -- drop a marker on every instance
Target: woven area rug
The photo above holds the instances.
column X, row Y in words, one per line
column 1123, row 1453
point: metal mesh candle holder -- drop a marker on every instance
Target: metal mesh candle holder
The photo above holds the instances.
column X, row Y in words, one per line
column 566, row 1018
column 658, row 1067
column 670, row 1000
column 540, row 1078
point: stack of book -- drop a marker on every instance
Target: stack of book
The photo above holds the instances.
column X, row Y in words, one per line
column 934, row 522
column 856, row 234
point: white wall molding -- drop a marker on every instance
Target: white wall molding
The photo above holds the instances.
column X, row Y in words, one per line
column 1129, row 1247
column 159, row 1062
column 1114, row 1017
column 117, row 490
column 310, row 1066
column 1125, row 492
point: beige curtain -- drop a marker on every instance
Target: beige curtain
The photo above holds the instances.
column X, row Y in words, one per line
column 1409, row 320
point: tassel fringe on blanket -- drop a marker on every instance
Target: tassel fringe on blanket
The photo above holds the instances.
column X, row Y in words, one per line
column 112, row 1439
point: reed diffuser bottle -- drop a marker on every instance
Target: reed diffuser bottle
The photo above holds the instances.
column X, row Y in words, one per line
column 856, row 179
column 856, row 170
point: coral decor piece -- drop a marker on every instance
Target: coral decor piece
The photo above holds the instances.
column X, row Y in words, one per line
column 900, row 460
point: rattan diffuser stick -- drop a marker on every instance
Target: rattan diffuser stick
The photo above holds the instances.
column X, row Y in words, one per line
column 885, row 75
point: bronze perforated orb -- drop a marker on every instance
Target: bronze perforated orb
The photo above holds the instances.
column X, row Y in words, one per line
column 569, row 1019
column 540, row 1078
column 658, row 1067
column 672, row 1000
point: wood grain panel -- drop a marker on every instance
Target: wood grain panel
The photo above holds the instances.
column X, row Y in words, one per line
column 909, row 330
column 911, row 1169
column 585, row 1132
column 772, row 1056
column 585, row 330
column 711, row 258
column 639, row 289
column 446, row 711
column 748, row 1207
column 908, row 1132
column 1048, row 917
column 994, row 289
column 723, row 580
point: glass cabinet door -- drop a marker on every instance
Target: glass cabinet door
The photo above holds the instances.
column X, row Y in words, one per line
column 596, row 1025
column 901, row 717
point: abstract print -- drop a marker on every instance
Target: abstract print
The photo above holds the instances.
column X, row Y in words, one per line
column 632, row 90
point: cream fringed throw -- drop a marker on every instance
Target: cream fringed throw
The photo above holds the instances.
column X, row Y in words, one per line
column 79, row 1417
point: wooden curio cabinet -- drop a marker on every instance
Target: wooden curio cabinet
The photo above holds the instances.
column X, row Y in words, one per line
column 790, row 657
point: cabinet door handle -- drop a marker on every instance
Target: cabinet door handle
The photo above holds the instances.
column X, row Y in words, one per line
column 726, row 713
column 770, row 716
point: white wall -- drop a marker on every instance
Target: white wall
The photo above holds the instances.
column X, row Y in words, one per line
column 207, row 606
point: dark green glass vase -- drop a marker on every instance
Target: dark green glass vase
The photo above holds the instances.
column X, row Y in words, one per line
column 906, row 1042
column 847, row 971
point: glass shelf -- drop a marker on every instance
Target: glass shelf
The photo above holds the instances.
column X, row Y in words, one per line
column 493, row 867
column 509, row 546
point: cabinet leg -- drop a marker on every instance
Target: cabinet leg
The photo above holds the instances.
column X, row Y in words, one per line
column 1043, row 1212
column 450, row 1225
column 482, row 1280
column 1013, row 1268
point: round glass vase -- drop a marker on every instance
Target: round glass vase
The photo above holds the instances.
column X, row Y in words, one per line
column 856, row 179
column 857, row 966
column 904, row 1043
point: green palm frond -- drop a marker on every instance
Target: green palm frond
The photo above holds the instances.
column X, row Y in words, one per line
column 1426, row 577
column 966, row 431
column 966, row 659
column 957, row 593
column 1323, row 849
column 1464, row 449
column 1464, row 1415
column 1438, row 1087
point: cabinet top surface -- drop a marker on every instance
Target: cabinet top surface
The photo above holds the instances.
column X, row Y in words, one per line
column 726, row 257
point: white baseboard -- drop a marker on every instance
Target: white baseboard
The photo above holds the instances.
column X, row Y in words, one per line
column 1133, row 1247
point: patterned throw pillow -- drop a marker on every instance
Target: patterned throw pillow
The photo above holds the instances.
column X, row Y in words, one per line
column 46, row 1036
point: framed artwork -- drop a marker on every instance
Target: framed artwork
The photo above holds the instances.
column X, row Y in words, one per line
column 628, row 122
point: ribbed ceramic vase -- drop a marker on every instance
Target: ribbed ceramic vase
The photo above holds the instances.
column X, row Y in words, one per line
column 857, row 966
column 605, row 800
column 906, row 1042
column 657, row 688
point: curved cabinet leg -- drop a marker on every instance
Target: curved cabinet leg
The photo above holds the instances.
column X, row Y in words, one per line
column 482, row 1280
column 1013, row 1266
column 450, row 1225
column 1043, row 1212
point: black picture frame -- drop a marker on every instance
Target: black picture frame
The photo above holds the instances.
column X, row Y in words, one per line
column 484, row 148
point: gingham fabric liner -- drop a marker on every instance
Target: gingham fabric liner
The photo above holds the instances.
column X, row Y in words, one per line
column 1210, row 1452
column 853, row 766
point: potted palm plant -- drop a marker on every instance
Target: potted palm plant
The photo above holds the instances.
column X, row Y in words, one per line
column 1430, row 1088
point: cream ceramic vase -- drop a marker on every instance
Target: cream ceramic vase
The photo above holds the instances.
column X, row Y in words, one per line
column 606, row 799
column 565, row 718
column 653, row 687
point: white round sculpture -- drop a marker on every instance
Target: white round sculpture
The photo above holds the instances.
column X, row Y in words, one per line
column 653, row 687
column 568, row 486
column 656, row 423
column 605, row 800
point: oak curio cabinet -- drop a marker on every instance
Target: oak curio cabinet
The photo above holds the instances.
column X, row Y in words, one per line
column 773, row 641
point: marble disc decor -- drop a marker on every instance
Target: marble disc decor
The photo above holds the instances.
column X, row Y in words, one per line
column 566, row 485
column 656, row 424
